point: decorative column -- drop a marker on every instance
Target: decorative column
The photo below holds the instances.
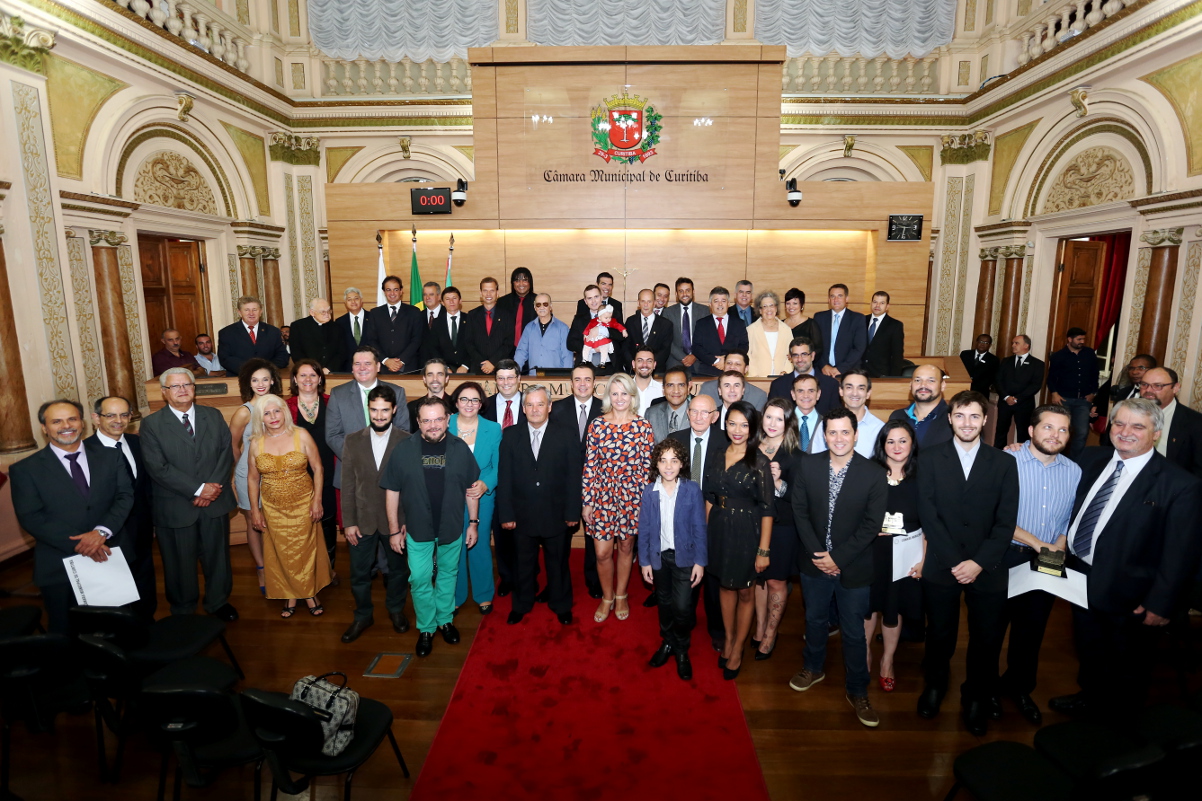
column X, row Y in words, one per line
column 1012, row 296
column 983, row 319
column 1158, row 298
column 16, row 432
column 250, row 272
column 110, row 308
column 273, row 297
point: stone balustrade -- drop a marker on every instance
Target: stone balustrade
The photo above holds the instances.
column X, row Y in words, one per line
column 857, row 75
column 201, row 25
column 361, row 77
column 1059, row 21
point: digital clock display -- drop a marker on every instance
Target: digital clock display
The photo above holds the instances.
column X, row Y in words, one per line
column 430, row 201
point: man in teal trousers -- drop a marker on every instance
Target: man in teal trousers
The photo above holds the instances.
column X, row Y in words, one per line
column 433, row 477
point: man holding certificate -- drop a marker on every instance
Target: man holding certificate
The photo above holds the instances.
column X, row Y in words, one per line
column 1047, row 487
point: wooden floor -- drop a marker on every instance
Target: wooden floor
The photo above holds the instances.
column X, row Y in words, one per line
column 809, row 744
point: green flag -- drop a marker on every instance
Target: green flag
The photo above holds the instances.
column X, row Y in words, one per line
column 415, row 280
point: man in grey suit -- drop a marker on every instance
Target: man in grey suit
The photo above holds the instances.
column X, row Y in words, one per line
column 346, row 411
column 188, row 455
column 671, row 413
column 737, row 361
column 683, row 315
column 364, row 519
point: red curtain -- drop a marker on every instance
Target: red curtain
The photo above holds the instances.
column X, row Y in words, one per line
column 1118, row 249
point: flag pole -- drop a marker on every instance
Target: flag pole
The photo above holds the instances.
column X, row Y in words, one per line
column 450, row 254
column 381, row 271
column 415, row 277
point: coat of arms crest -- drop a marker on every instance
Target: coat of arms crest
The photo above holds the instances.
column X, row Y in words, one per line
column 626, row 129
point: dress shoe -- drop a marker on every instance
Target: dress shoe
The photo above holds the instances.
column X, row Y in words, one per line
column 514, row 618
column 1028, row 708
column 660, row 657
column 504, row 588
column 595, row 593
column 976, row 718
column 227, row 613
column 357, row 628
column 684, row 668
column 1075, row 705
column 541, row 597
column 425, row 643
column 650, row 601
column 928, row 702
column 400, row 623
column 993, row 707
column 565, row 618
column 450, row 634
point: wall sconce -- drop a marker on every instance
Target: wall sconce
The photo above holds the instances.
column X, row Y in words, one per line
column 791, row 193
column 536, row 119
column 459, row 195
column 405, row 143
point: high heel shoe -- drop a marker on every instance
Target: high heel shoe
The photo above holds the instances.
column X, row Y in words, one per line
column 621, row 615
column 760, row 656
column 262, row 587
column 755, row 644
column 602, row 613
column 722, row 662
column 887, row 683
column 731, row 675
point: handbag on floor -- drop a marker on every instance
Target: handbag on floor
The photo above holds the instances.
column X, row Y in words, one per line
column 336, row 706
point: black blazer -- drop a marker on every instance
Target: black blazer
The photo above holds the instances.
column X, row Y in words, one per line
column 479, row 346
column 715, row 448
column 397, row 339
column 1184, row 447
column 139, row 526
column 983, row 373
column 971, row 519
column 1023, row 384
column 859, row 513
column 51, row 508
column 235, row 349
column 437, row 342
column 849, row 347
column 883, row 354
column 1147, row 554
column 782, row 387
column 563, row 413
column 343, row 324
column 489, row 412
column 660, row 341
column 541, row 495
column 616, row 305
column 509, row 303
column 321, row 342
column 707, row 347
column 178, row 464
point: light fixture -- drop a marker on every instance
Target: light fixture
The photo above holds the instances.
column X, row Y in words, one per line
column 791, row 193
column 459, row 195
column 536, row 119
column 703, row 122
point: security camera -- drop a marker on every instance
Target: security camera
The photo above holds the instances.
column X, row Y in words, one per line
column 791, row 193
column 782, row 174
column 459, row 196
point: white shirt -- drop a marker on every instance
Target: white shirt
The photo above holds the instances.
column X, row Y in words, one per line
column 1162, row 445
column 436, row 311
column 705, row 446
column 82, row 461
column 724, row 320
column 1131, row 470
column 541, row 430
column 210, row 363
column 191, row 412
column 358, row 317
column 876, row 320
column 379, row 444
column 968, row 457
column 254, row 327
column 653, row 391
column 516, row 407
column 814, row 426
column 363, row 392
column 451, row 318
column 109, row 442
column 667, row 515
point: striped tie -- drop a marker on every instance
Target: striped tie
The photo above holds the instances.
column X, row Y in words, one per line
column 1083, row 541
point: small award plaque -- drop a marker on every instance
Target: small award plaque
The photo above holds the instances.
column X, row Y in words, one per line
column 1050, row 562
column 893, row 524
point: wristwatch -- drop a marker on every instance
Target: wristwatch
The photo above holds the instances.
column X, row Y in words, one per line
column 477, row 522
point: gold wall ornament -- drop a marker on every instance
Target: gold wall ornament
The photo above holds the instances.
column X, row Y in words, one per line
column 168, row 179
column 308, row 232
column 102, row 239
column 849, row 144
column 1079, row 97
column 85, row 316
column 1094, row 176
column 246, row 251
column 290, row 210
column 184, row 103
column 294, row 149
column 1162, row 237
column 406, row 142
column 964, row 148
column 989, row 254
column 24, row 47
column 133, row 321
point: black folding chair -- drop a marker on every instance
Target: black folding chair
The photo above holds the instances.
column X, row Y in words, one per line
column 153, row 644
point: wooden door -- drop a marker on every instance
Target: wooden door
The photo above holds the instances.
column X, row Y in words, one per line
column 1080, row 268
column 174, row 287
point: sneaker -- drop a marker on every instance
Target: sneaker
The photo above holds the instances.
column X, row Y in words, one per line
column 805, row 680
column 864, row 711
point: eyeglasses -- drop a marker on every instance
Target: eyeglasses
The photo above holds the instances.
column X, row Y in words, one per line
column 700, row 412
column 1153, row 387
column 121, row 416
column 542, row 305
column 178, row 387
column 470, row 400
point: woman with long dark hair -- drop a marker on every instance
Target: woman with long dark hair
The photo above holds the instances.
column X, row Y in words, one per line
column 256, row 378
column 780, row 443
column 889, row 600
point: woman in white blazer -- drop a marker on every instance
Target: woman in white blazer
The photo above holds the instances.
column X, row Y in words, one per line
column 768, row 339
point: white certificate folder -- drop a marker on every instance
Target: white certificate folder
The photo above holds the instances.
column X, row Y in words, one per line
column 108, row 583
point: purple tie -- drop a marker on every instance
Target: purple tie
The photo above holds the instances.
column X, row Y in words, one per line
column 686, row 330
column 81, row 481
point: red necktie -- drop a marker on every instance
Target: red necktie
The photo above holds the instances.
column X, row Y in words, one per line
column 721, row 332
column 251, row 329
column 507, row 420
column 488, row 321
column 517, row 327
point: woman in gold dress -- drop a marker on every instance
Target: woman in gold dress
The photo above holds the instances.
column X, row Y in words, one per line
column 281, row 455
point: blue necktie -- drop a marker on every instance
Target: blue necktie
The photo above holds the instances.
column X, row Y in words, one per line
column 834, row 336
column 1083, row 541
column 872, row 329
column 805, row 434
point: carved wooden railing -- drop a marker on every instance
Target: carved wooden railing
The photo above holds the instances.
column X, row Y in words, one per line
column 857, row 75
column 201, row 25
column 341, row 78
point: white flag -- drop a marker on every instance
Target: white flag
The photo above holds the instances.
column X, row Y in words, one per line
column 381, row 273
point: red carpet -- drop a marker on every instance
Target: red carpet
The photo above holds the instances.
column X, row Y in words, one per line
column 546, row 711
